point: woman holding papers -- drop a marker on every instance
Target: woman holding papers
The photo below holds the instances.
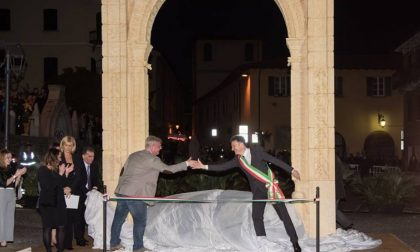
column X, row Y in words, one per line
column 52, row 206
column 73, row 181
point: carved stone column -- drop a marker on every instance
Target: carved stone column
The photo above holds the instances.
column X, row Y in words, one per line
column 114, row 90
column 312, row 113
column 138, row 95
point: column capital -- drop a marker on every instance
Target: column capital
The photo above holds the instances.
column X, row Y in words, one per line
column 296, row 45
column 139, row 48
column 297, row 48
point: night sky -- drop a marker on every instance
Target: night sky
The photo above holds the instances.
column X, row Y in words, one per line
column 361, row 27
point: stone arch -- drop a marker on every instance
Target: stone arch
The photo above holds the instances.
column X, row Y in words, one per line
column 140, row 26
column 379, row 145
column 127, row 26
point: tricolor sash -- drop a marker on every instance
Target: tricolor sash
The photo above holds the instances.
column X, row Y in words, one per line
column 271, row 183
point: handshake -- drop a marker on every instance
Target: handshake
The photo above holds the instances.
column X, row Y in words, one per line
column 196, row 164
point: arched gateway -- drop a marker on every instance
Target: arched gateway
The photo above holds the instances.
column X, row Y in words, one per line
column 126, row 31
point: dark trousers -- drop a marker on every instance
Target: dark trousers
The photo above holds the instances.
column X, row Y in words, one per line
column 75, row 224
column 80, row 222
column 69, row 227
column 258, row 218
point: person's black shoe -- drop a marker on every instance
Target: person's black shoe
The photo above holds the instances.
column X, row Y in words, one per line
column 296, row 247
column 82, row 243
column 71, row 248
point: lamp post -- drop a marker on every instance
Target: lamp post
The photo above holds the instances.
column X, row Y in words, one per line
column 14, row 66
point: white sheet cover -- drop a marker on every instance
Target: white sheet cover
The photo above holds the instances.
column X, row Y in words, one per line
column 200, row 227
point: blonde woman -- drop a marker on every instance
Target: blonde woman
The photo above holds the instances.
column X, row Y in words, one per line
column 8, row 182
column 73, row 180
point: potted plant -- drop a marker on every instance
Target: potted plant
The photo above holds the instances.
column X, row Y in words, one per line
column 387, row 192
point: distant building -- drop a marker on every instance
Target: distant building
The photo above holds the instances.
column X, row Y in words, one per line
column 214, row 60
column 258, row 95
column 51, row 37
column 408, row 80
column 166, row 97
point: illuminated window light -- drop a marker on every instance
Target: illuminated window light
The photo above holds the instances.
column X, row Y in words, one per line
column 254, row 138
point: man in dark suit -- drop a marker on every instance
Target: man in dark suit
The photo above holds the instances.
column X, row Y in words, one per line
column 89, row 179
column 253, row 161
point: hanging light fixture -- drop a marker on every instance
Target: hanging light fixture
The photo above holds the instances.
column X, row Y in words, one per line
column 381, row 120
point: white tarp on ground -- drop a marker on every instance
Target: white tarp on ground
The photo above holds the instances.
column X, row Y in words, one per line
column 200, row 227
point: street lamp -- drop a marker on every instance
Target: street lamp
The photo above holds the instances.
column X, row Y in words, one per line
column 214, row 132
column 13, row 65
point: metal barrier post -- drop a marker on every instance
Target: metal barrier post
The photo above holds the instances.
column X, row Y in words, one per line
column 317, row 219
column 105, row 200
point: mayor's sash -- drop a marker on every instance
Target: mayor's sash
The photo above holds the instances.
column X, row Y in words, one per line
column 271, row 183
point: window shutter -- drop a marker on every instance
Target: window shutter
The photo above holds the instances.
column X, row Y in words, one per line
column 271, row 81
column 4, row 20
column 50, row 19
column 288, row 85
column 370, row 81
column 417, row 110
column 249, row 52
column 388, row 86
column 207, row 52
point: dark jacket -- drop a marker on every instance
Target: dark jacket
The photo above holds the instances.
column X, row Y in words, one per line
column 259, row 159
column 94, row 177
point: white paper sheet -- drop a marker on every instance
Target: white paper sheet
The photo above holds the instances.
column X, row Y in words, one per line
column 72, row 202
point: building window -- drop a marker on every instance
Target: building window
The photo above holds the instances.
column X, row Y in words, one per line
column 99, row 27
column 4, row 20
column 208, row 52
column 214, row 111
column 93, row 65
column 236, row 100
column 338, row 86
column 279, row 86
column 378, row 86
column 418, row 108
column 50, row 20
column 249, row 52
column 50, row 69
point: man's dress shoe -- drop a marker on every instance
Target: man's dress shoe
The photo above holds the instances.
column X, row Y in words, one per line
column 82, row 243
column 296, row 247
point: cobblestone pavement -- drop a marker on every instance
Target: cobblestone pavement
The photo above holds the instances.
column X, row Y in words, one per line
column 405, row 226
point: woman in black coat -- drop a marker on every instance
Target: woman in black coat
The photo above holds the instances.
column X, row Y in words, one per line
column 52, row 205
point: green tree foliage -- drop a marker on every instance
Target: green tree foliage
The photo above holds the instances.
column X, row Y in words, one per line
column 83, row 89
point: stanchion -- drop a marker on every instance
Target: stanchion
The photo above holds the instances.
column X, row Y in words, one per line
column 105, row 200
column 317, row 219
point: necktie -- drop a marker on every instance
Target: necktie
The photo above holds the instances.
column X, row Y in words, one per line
column 89, row 183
